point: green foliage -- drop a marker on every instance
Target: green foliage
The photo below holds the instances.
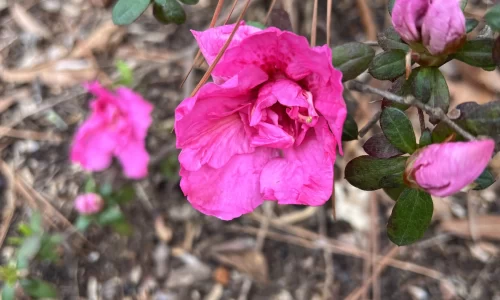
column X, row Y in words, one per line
column 256, row 24
column 410, row 217
column 352, row 59
column 379, row 146
column 394, row 193
column 388, row 65
column 492, row 17
column 38, row 288
column 127, row 11
column 471, row 24
column 169, row 11
column 430, row 87
column 126, row 74
column 8, row 292
column 477, row 53
column 365, row 172
column 442, row 132
column 190, row 2
column 398, row 130
column 389, row 39
column 463, row 4
column 485, row 180
column 390, row 5
column 350, row 130
column 484, row 119
column 425, row 138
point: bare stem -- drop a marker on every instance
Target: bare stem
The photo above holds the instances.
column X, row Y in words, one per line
column 370, row 124
column 435, row 112
column 421, row 120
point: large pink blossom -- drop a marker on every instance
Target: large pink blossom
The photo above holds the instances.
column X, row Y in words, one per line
column 444, row 169
column 268, row 129
column 117, row 126
column 438, row 24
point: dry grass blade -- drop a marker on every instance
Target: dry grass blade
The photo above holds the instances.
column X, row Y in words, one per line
column 329, row 22
column 271, row 7
column 314, row 24
column 231, row 11
column 197, row 60
column 367, row 20
column 9, row 206
column 28, row 23
column 31, row 135
column 485, row 226
column 221, row 52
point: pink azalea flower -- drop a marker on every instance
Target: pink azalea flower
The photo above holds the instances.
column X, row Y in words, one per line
column 438, row 24
column 268, row 130
column 117, row 126
column 444, row 169
column 88, row 204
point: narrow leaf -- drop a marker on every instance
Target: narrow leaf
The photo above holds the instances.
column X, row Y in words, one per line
column 350, row 130
column 379, row 146
column 410, row 217
column 190, row 2
column 352, row 59
column 398, row 129
column 127, row 11
column 365, row 172
column 388, row 65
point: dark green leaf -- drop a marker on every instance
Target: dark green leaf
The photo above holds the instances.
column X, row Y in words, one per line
column 394, row 193
column 256, row 24
column 400, row 87
column 125, row 194
column 485, row 180
column 470, row 24
column 442, row 132
column 389, row 39
column 398, row 130
column 352, row 59
column 477, row 53
column 110, row 215
column 388, row 65
column 38, row 288
column 390, row 6
column 190, row 2
column 365, row 172
column 127, row 11
column 350, row 130
column 410, row 217
column 169, row 11
column 484, row 119
column 380, row 147
column 492, row 17
column 392, row 181
column 280, row 18
column 28, row 250
column 425, row 139
column 8, row 292
column 496, row 51
column 430, row 87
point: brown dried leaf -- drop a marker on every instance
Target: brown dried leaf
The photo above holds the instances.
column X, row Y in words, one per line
column 29, row 23
column 104, row 37
column 485, row 226
column 250, row 262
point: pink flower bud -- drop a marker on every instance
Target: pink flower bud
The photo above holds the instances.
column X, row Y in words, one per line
column 438, row 24
column 88, row 204
column 444, row 169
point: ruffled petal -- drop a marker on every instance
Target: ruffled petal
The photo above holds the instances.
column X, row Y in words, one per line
column 230, row 191
column 134, row 158
column 138, row 111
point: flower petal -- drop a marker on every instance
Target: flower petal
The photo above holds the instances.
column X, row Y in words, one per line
column 139, row 111
column 134, row 158
column 407, row 18
column 230, row 191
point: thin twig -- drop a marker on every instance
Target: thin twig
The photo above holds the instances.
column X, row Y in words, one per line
column 271, row 7
column 421, row 120
column 9, row 207
column 328, row 21
column 434, row 112
column 231, row 11
column 314, row 24
column 327, row 255
column 370, row 124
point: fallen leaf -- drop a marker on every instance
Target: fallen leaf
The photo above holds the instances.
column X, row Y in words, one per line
column 250, row 262
column 29, row 23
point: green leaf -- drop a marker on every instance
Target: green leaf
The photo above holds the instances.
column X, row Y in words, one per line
column 110, row 215
column 463, row 4
column 105, row 189
column 38, row 288
column 390, row 6
column 400, row 87
column 122, row 227
column 350, row 130
column 470, row 24
column 8, row 292
column 127, row 11
column 425, row 138
column 430, row 87
column 389, row 39
column 28, row 250
column 477, row 53
column 25, row 229
column 9, row 273
column 90, row 185
column 484, row 119
column 126, row 74
column 394, row 193
column 83, row 222
column 48, row 249
column 442, row 132
column 492, row 17
column 388, row 65
column 410, row 217
column 125, row 194
column 352, row 59
column 36, row 222
column 392, row 181
column 379, row 146
column 398, row 130
column 256, row 24
column 485, row 180
column 496, row 52
column 190, row 2
column 365, row 172
column 169, row 11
